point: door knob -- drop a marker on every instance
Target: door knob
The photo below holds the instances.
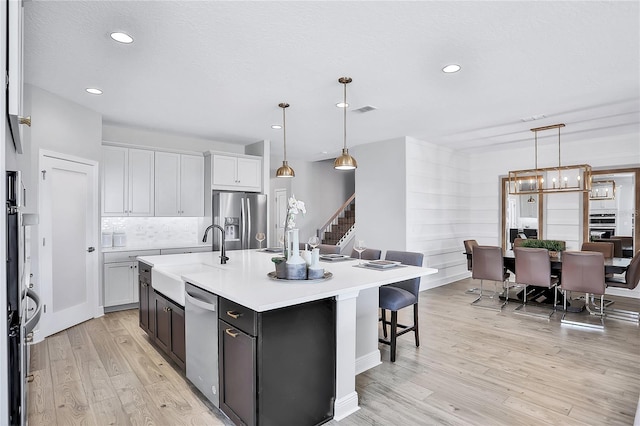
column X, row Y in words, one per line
column 91, row 249
column 25, row 120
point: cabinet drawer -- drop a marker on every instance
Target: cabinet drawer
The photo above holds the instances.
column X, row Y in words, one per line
column 128, row 256
column 239, row 316
column 144, row 272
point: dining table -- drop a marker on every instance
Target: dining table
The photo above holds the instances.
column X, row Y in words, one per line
column 614, row 265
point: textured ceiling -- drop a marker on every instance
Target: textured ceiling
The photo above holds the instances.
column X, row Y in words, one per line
column 218, row 69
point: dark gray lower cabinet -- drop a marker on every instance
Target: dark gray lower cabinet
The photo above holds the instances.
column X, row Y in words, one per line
column 277, row 368
column 169, row 329
column 146, row 298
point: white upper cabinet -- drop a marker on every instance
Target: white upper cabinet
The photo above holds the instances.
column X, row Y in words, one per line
column 179, row 184
column 127, row 182
column 236, row 172
column 15, row 25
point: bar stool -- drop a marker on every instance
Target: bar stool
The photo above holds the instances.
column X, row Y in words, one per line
column 400, row 295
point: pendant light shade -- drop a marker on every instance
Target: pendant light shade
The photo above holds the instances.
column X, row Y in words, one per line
column 345, row 161
column 284, row 171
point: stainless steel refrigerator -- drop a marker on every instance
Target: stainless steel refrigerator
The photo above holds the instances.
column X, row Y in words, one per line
column 242, row 215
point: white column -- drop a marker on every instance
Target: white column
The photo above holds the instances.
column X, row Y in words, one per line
column 367, row 351
column 346, row 396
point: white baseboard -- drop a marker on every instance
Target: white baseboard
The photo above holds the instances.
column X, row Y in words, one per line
column 345, row 406
column 368, row 361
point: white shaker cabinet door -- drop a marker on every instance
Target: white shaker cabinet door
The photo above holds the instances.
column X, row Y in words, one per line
column 167, row 181
column 115, row 183
column 248, row 174
column 141, row 166
column 224, row 170
column 192, row 194
column 119, row 283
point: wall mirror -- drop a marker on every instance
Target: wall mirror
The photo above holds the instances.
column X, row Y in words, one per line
column 521, row 215
column 611, row 208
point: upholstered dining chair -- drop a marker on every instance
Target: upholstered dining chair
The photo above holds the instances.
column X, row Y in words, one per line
column 630, row 282
column 396, row 296
column 583, row 271
column 468, row 248
column 329, row 249
column 488, row 264
column 606, row 248
column 617, row 245
column 367, row 254
column 533, row 268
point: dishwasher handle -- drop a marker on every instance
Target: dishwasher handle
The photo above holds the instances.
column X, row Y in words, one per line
column 199, row 303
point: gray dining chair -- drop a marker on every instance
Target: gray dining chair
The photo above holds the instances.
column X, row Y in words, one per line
column 583, row 271
column 488, row 264
column 396, row 296
column 533, row 268
column 468, row 249
column 367, row 254
column 329, row 249
column 630, row 281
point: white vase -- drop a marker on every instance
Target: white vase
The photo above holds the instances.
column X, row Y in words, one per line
column 294, row 248
column 315, row 270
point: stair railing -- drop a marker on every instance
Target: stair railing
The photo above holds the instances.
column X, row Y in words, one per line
column 333, row 220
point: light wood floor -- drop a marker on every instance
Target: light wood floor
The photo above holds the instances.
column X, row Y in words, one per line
column 474, row 366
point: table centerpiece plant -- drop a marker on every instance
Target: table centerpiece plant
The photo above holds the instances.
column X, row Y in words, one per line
column 554, row 246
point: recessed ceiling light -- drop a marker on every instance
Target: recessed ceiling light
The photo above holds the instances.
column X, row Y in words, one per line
column 276, row 126
column 342, row 105
column 121, row 37
column 93, row 91
column 451, row 68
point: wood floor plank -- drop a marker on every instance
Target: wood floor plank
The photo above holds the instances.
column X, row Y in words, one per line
column 110, row 412
column 474, row 367
column 72, row 407
column 138, row 360
column 112, row 358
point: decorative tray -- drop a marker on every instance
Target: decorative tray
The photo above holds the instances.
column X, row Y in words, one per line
column 335, row 257
column 327, row 275
column 272, row 250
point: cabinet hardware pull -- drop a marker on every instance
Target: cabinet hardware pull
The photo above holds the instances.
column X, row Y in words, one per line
column 29, row 337
column 233, row 314
column 25, row 120
column 230, row 333
column 169, row 309
column 30, row 378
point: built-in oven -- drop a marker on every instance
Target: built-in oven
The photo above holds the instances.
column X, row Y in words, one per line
column 602, row 225
column 23, row 304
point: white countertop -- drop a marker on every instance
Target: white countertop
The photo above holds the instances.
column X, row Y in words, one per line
column 154, row 246
column 244, row 278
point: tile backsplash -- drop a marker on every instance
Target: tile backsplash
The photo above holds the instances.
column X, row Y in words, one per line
column 143, row 231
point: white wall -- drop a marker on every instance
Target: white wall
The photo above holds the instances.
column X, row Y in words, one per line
column 61, row 126
column 437, row 209
column 6, row 152
column 381, row 196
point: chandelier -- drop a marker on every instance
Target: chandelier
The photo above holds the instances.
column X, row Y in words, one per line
column 560, row 178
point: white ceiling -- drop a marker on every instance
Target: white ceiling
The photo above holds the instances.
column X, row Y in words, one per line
column 218, row 69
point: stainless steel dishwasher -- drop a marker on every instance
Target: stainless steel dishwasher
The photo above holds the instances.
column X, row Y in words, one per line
column 201, row 335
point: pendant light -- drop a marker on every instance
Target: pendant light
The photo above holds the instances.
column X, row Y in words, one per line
column 546, row 180
column 345, row 161
column 284, row 171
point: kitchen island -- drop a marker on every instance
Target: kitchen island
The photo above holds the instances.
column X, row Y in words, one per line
column 244, row 280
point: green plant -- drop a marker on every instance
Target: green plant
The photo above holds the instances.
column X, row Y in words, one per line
column 551, row 245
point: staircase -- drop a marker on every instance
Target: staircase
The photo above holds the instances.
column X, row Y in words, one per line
column 339, row 228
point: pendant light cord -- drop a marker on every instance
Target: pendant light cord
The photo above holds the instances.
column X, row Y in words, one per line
column 284, row 132
column 345, row 115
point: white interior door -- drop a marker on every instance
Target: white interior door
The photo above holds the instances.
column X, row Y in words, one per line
column 281, row 213
column 68, row 230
